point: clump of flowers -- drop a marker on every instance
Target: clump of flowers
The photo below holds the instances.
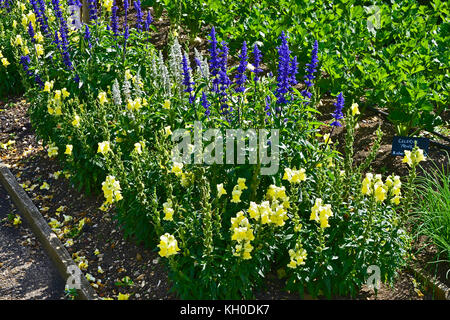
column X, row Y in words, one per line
column 243, row 235
column 373, row 185
column 294, row 176
column 168, row 245
column 168, row 210
column 103, row 147
column 52, row 150
column 237, row 190
column 274, row 209
column 412, row 158
column 297, row 256
column 111, row 190
column 321, row 213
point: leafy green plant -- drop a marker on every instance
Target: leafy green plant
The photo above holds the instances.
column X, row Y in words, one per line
column 432, row 203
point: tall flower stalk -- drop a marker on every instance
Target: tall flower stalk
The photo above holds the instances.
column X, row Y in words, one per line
column 287, row 68
column 337, row 114
column 187, row 78
column 224, row 82
column 240, row 76
column 310, row 71
column 114, row 20
column 257, row 57
column 137, row 7
column 214, row 60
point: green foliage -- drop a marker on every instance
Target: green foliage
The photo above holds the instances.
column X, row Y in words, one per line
column 400, row 64
column 432, row 203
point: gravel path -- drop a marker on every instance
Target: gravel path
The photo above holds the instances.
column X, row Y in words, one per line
column 26, row 272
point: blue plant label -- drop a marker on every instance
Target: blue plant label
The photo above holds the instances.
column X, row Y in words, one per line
column 400, row 144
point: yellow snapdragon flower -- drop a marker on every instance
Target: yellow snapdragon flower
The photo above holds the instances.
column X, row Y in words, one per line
column 166, row 104
column 76, row 121
column 138, row 148
column 168, row 210
column 107, row 5
column 103, row 147
column 52, row 150
column 236, row 195
column 241, row 183
column 39, row 49
column 69, row 149
column 379, row 191
column 134, row 105
column 168, row 245
column 326, row 138
column 294, row 176
column 39, row 37
column 102, row 98
column 48, row 86
column 412, row 158
column 122, row 296
column 111, row 190
column 297, row 257
column 18, row 41
column 177, row 168
column 320, row 213
column 355, row 109
column 5, row 62
column 167, row 131
column 220, row 190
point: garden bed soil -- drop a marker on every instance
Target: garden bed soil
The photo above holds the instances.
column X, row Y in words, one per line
column 120, row 258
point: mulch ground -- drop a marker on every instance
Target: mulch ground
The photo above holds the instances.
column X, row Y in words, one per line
column 125, row 267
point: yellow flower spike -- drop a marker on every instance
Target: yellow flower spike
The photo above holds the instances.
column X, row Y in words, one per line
column 236, row 195
column 220, row 190
column 102, row 98
column 419, row 156
column 24, row 21
column 168, row 245
column 407, row 158
column 65, row 93
column 39, row 49
column 167, row 131
column 138, row 148
column 5, row 62
column 168, row 210
column 39, row 37
column 177, row 168
column 326, row 138
column 69, row 149
column 52, row 150
column 48, row 86
column 396, row 200
column 253, row 210
column 58, row 111
column 57, row 96
column 25, row 50
column 107, row 5
column 76, row 121
column 379, row 192
column 166, row 104
column 241, row 184
column 128, row 74
column 103, row 147
column 355, row 109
